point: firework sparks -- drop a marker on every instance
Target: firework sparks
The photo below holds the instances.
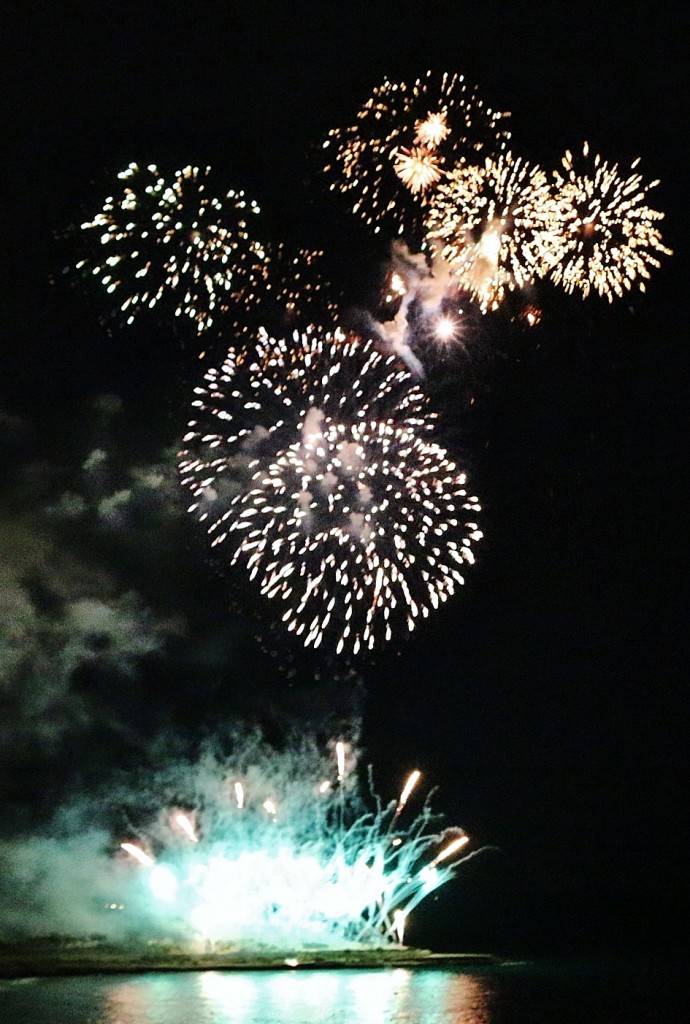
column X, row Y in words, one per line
column 162, row 238
column 294, row 290
column 410, row 134
column 609, row 238
column 494, row 226
column 345, row 512
column 325, row 869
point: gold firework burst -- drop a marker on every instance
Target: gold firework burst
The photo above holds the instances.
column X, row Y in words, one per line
column 494, row 226
column 418, row 168
column 432, row 130
column 409, row 133
column 609, row 237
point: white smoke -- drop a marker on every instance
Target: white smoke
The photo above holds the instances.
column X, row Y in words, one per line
column 58, row 616
column 423, row 283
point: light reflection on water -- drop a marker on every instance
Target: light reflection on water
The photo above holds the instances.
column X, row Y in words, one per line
column 264, row 997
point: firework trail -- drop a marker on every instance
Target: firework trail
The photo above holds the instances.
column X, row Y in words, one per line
column 163, row 239
column 409, row 136
column 310, row 459
column 494, row 226
column 609, row 237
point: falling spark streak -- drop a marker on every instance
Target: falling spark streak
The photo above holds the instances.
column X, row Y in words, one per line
column 185, row 824
column 340, row 757
column 138, row 854
column 412, row 781
column 309, row 460
column 449, row 850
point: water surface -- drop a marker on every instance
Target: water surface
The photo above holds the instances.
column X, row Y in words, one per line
column 509, row 994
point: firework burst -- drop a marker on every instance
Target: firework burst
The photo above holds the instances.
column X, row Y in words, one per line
column 281, row 850
column 311, row 460
column 162, row 238
column 494, row 226
column 409, row 135
column 609, row 238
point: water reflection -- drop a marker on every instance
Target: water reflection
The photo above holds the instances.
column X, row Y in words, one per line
column 263, row 997
column 307, row 997
column 375, row 994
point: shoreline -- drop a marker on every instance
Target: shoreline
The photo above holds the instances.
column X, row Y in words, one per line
column 29, row 960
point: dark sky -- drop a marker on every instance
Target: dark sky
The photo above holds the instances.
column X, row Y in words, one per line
column 549, row 701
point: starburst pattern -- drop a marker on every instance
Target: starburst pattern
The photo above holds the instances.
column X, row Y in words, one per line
column 609, row 238
column 495, row 226
column 417, row 168
column 409, row 134
column 312, row 460
column 432, row 130
column 162, row 239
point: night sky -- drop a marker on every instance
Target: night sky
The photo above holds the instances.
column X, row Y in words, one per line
column 548, row 701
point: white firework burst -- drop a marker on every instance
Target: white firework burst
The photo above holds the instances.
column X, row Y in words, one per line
column 494, row 226
column 609, row 239
column 311, row 460
column 169, row 239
